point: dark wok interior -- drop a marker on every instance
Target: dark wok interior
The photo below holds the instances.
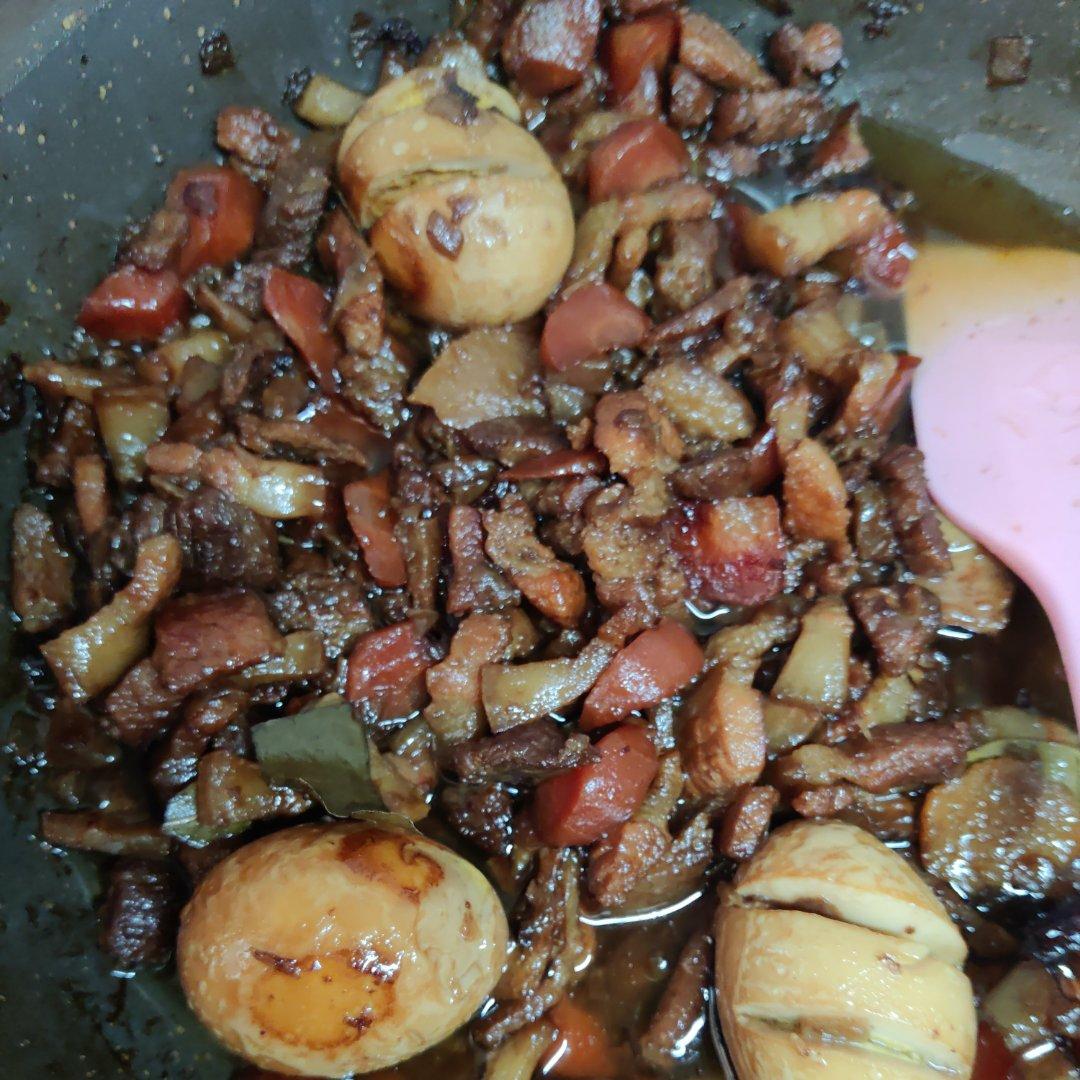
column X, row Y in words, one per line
column 98, row 107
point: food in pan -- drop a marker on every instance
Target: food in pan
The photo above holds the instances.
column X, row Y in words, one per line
column 472, row 555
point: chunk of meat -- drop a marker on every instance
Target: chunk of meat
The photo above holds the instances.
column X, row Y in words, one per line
column 654, row 666
column 328, row 603
column 903, row 480
column 358, row 308
column 559, row 948
column 691, row 98
column 375, row 386
column 797, row 53
column 746, row 822
column 42, row 585
column 707, row 49
column 91, row 492
column 733, row 550
column 560, row 465
column 141, row 707
column 842, row 152
column 475, row 584
column 254, row 139
column 482, row 814
column 72, row 435
column 386, row 671
column 528, row 752
column 702, row 317
column 140, row 913
column 732, row 470
column 623, row 858
column 900, row 622
column 223, row 542
column 630, row 553
column 205, row 635
column 792, row 238
column 550, row 44
column 663, row 1043
column 103, row 832
column 209, row 717
column 299, row 186
column 764, row 117
column 634, row 434
column 881, row 261
column 231, row 790
column 510, row 440
column 722, row 736
column 702, row 405
column 686, row 268
column 156, row 244
column 552, row 586
column 896, row 757
column 454, row 712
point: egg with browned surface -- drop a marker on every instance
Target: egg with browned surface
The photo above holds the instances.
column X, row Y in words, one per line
column 834, row 959
column 333, row 949
column 468, row 216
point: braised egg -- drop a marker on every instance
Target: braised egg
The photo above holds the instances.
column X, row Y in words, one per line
column 333, row 949
column 468, row 216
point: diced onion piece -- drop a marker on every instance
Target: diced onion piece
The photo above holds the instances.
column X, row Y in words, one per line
column 91, row 657
column 271, row 487
column 977, row 592
column 210, row 345
column 326, row 103
column 514, row 694
column 131, row 419
column 483, row 375
column 56, row 379
column 816, row 672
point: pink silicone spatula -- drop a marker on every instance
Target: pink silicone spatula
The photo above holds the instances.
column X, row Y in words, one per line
column 996, row 403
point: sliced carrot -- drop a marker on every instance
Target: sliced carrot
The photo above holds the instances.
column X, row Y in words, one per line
column 583, row 1049
column 634, row 47
column 222, row 208
column 581, row 805
column 300, row 308
column 591, row 321
column 633, row 157
column 134, row 305
column 372, row 520
column 655, row 665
